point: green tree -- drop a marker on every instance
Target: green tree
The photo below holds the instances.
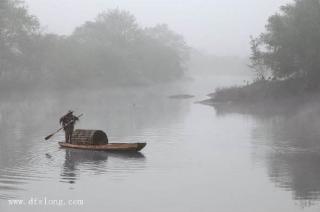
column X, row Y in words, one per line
column 115, row 48
column 290, row 47
column 112, row 49
column 17, row 35
column 168, row 53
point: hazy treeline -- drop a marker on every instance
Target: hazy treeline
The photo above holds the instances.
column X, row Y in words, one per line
column 290, row 47
column 286, row 57
column 205, row 64
column 112, row 49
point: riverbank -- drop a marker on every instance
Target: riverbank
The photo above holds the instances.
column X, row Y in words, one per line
column 263, row 96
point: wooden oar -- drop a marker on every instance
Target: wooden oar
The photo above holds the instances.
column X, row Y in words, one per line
column 49, row 136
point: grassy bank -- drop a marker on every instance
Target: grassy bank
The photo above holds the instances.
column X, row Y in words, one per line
column 264, row 97
column 262, row 91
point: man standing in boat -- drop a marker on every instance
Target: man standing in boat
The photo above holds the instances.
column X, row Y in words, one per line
column 68, row 121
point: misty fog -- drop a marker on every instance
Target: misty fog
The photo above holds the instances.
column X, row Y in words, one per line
column 224, row 96
column 217, row 27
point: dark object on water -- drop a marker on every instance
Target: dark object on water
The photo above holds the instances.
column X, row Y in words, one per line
column 98, row 140
column 118, row 147
column 48, row 155
column 181, row 96
column 89, row 137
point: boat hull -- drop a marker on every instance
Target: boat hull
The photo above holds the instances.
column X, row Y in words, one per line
column 119, row 147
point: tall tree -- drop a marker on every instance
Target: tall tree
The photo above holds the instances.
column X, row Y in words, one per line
column 17, row 31
column 290, row 47
column 116, row 47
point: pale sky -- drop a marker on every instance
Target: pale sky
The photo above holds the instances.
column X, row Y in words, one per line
column 220, row 27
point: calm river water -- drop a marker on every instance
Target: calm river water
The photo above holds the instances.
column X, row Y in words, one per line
column 197, row 158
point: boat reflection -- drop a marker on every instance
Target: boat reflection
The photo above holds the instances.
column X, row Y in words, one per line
column 96, row 162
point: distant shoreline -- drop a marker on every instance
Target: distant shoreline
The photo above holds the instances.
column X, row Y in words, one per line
column 263, row 96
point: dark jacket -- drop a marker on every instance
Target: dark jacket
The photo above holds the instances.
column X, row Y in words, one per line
column 68, row 121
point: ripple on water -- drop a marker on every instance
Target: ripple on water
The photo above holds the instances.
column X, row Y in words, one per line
column 22, row 171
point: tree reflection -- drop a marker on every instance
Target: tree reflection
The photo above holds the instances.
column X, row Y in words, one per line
column 285, row 140
column 291, row 151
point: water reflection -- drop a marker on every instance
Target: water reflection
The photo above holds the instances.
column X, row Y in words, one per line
column 294, row 155
column 75, row 157
column 286, row 141
column 298, row 172
column 26, row 118
column 96, row 162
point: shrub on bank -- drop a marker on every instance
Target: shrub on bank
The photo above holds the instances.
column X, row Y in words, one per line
column 260, row 90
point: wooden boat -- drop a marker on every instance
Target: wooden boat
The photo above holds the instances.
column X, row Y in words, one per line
column 98, row 140
column 121, row 147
